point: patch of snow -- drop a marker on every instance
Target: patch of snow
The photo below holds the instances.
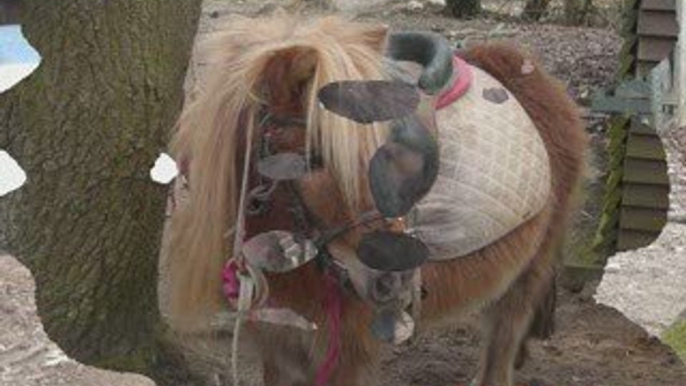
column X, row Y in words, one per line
column 414, row 5
column 164, row 170
column 17, row 58
column 12, row 176
column 356, row 5
column 55, row 357
column 647, row 285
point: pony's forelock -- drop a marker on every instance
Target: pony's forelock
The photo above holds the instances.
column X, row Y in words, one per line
column 210, row 128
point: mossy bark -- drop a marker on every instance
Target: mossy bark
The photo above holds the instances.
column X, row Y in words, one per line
column 535, row 9
column 675, row 336
column 463, row 8
column 577, row 11
column 86, row 127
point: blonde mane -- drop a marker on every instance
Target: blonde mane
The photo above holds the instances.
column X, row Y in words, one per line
column 210, row 128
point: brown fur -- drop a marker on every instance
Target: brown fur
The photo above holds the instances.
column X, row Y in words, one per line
column 508, row 279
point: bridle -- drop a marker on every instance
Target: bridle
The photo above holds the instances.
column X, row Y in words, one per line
column 306, row 225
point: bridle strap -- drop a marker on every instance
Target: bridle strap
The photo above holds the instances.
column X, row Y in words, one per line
column 332, row 234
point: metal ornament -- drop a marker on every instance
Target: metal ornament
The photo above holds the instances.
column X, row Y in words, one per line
column 403, row 170
column 429, row 49
column 277, row 251
column 390, row 251
column 370, row 101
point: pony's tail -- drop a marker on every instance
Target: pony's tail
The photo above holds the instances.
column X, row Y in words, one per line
column 560, row 126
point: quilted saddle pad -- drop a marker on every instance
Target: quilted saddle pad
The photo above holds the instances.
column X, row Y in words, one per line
column 494, row 173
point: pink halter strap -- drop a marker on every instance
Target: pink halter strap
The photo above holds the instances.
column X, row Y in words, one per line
column 460, row 86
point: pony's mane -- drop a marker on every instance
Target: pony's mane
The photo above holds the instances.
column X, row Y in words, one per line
column 211, row 132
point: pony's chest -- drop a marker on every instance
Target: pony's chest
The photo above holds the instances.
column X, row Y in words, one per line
column 494, row 173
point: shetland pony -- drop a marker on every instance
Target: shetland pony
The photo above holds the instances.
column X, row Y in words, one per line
column 279, row 63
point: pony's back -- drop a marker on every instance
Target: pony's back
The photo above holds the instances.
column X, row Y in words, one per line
column 559, row 124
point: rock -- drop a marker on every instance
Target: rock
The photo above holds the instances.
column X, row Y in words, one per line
column 414, row 6
column 356, row 5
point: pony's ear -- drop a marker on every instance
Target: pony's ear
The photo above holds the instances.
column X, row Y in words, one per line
column 370, row 101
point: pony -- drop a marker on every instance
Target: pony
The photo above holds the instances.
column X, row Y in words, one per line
column 279, row 64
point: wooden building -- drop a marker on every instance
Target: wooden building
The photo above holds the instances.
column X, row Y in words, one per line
column 636, row 197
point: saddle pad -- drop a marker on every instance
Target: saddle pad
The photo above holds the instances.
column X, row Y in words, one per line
column 494, row 173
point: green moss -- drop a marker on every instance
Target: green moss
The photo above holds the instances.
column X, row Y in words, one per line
column 675, row 337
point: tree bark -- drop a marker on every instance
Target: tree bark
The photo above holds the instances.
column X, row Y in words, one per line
column 534, row 9
column 463, row 8
column 577, row 11
column 86, row 127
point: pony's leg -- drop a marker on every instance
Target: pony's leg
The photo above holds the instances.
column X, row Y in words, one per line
column 508, row 320
column 285, row 358
column 360, row 360
column 289, row 357
column 357, row 374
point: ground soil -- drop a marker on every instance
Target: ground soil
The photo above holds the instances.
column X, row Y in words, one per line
column 593, row 345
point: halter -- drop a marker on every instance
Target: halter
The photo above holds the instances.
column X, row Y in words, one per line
column 242, row 282
column 307, row 224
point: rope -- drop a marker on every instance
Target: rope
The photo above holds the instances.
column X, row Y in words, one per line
column 244, row 300
column 416, row 307
column 247, row 283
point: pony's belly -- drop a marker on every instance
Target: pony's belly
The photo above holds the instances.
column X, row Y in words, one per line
column 494, row 173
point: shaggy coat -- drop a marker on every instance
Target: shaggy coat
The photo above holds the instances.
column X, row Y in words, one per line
column 279, row 63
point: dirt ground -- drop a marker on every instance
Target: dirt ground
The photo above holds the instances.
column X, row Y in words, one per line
column 593, row 345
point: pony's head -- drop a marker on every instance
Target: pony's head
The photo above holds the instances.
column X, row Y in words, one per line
column 274, row 67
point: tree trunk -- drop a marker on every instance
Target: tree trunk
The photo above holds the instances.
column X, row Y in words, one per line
column 534, row 9
column 463, row 8
column 577, row 11
column 86, row 127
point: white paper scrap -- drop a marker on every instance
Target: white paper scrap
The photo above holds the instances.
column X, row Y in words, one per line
column 12, row 176
column 17, row 58
column 164, row 170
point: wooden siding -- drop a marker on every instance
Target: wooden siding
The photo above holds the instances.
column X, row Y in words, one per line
column 650, row 31
column 657, row 23
column 636, row 191
column 636, row 196
column 644, row 187
column 659, row 5
column 654, row 50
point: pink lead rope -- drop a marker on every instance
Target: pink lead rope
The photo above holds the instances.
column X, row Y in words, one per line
column 334, row 307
